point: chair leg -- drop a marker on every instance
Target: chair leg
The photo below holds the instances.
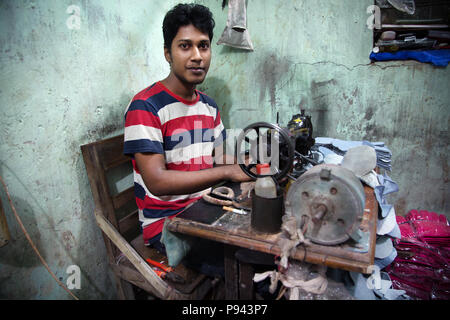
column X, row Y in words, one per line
column 124, row 289
column 245, row 281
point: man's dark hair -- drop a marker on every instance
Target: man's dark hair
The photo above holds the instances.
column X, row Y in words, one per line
column 185, row 14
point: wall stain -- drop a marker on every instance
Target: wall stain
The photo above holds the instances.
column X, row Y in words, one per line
column 68, row 239
column 445, row 170
column 320, row 93
column 302, row 104
column 316, row 84
column 269, row 72
column 369, row 113
column 372, row 131
column 110, row 120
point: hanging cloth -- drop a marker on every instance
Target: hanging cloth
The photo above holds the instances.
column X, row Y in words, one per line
column 236, row 34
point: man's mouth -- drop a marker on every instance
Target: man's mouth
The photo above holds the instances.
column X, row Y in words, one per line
column 196, row 69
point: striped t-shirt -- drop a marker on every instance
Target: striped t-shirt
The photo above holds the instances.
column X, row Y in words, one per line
column 185, row 132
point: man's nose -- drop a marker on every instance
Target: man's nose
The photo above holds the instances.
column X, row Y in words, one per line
column 196, row 56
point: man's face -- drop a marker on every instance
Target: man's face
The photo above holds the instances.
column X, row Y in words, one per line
column 190, row 55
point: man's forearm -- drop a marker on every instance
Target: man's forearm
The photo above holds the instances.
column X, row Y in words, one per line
column 173, row 182
column 161, row 181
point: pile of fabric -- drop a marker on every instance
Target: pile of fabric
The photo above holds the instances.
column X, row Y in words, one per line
column 328, row 145
column 421, row 267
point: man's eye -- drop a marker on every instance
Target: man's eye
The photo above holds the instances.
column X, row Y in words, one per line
column 184, row 45
column 204, row 45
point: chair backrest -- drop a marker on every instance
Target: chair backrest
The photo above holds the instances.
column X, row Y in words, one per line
column 116, row 215
column 105, row 161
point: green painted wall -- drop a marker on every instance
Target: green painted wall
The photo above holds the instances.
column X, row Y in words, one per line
column 61, row 88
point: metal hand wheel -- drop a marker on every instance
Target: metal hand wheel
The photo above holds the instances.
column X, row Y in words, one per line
column 268, row 143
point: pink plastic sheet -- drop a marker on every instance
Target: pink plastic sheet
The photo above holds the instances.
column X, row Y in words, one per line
column 422, row 264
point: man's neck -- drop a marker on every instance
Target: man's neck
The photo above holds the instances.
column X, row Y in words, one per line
column 185, row 91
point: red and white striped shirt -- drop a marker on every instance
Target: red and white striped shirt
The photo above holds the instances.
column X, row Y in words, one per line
column 185, row 132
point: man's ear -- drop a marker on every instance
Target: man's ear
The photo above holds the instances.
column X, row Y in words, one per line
column 167, row 55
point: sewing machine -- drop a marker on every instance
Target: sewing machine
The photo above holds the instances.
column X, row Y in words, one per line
column 326, row 200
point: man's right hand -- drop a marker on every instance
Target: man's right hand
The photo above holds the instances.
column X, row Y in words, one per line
column 236, row 174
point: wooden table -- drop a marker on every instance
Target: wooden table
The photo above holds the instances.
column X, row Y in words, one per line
column 211, row 222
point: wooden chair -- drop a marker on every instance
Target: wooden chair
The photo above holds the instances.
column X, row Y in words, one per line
column 117, row 217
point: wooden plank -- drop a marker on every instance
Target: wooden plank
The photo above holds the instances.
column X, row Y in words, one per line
column 116, row 162
column 99, row 183
column 161, row 288
column 129, row 222
column 125, row 290
column 143, row 276
column 133, row 276
column 5, row 236
column 245, row 281
column 100, row 193
column 372, row 207
column 246, row 233
column 111, row 153
column 231, row 274
column 259, row 244
column 122, row 198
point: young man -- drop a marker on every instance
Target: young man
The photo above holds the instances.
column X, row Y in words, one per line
column 171, row 129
